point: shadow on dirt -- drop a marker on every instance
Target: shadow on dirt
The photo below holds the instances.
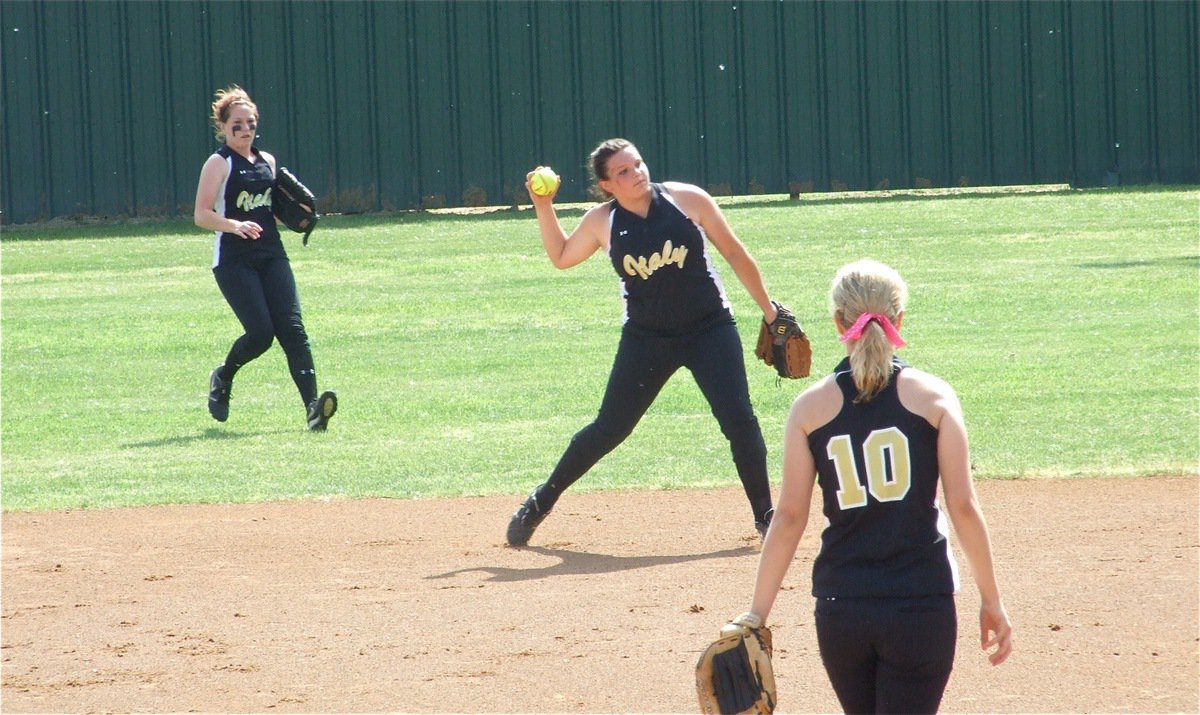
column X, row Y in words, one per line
column 574, row 563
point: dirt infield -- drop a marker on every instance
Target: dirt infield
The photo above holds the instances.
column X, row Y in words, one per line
column 416, row 606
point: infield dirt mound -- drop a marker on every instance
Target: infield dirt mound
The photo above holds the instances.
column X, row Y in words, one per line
column 417, row 606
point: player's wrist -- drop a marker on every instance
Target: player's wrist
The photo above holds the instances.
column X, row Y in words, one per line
column 749, row 619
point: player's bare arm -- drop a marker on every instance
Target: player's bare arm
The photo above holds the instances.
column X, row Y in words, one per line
column 204, row 215
column 791, row 512
column 962, row 504
column 563, row 250
column 700, row 207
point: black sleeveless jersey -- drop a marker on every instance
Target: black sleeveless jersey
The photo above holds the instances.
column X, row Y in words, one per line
column 669, row 284
column 878, row 470
column 246, row 196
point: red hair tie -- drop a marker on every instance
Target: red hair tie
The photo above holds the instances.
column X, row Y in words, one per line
column 855, row 332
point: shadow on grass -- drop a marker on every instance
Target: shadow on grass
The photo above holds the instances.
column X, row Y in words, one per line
column 575, row 563
column 1164, row 261
column 212, row 433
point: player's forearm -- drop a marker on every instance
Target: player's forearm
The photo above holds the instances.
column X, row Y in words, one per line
column 554, row 239
column 747, row 272
column 213, row 221
column 973, row 536
column 780, row 548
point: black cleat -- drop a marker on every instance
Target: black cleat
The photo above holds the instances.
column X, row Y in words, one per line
column 761, row 525
column 525, row 521
column 320, row 410
column 218, row 396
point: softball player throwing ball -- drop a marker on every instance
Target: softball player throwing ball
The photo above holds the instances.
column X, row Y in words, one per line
column 876, row 435
column 676, row 315
column 233, row 199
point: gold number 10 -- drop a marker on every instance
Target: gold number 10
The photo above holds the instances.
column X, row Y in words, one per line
column 889, row 469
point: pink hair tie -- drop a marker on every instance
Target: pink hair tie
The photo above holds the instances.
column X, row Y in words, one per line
column 855, row 332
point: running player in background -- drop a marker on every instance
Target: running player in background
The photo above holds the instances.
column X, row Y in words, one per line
column 233, row 199
column 676, row 315
column 876, row 435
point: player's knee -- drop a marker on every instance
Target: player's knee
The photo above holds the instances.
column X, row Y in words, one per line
column 605, row 434
column 294, row 342
column 258, row 343
column 745, row 440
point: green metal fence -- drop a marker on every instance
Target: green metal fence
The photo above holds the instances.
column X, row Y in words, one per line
column 397, row 105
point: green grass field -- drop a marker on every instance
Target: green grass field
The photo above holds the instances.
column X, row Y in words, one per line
column 1067, row 320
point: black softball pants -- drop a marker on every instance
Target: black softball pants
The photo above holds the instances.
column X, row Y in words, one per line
column 263, row 295
column 641, row 368
column 888, row 655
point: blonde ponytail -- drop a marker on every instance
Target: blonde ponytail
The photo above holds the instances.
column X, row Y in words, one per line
column 869, row 288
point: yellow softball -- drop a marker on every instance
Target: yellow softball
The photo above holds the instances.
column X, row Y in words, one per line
column 544, row 181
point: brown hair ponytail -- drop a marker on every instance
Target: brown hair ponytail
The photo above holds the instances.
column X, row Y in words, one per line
column 223, row 104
